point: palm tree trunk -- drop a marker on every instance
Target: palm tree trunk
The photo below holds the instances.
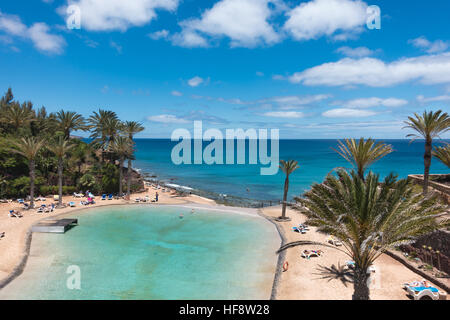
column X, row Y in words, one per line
column 427, row 164
column 32, row 175
column 120, row 175
column 286, row 188
column 360, row 287
column 60, row 178
column 129, row 179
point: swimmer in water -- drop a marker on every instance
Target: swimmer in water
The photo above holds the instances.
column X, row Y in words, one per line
column 192, row 211
column 181, row 216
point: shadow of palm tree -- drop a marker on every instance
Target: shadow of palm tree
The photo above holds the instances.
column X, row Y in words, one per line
column 334, row 272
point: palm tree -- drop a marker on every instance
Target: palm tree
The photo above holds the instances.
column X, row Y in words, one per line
column 69, row 121
column 443, row 154
column 60, row 148
column 362, row 154
column 368, row 218
column 29, row 148
column 17, row 115
column 122, row 147
column 428, row 126
column 104, row 125
column 288, row 167
column 130, row 128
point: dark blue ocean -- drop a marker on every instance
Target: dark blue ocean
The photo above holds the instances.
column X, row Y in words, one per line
column 316, row 159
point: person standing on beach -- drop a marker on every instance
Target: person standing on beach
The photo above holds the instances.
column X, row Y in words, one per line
column 156, row 196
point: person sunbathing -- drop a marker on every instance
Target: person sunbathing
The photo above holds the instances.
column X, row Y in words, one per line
column 14, row 214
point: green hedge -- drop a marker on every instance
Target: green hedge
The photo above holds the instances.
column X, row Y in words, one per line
column 49, row 190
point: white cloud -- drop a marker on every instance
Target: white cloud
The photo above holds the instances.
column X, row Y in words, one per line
column 284, row 114
column 176, row 93
column 422, row 99
column 161, row 34
column 12, row 25
column 358, row 52
column 166, row 118
column 195, row 81
column 189, row 39
column 38, row 33
column 372, row 102
column 317, row 18
column 107, row 15
column 430, row 46
column 245, row 22
column 259, row 74
column 428, row 69
column 116, row 46
column 348, row 113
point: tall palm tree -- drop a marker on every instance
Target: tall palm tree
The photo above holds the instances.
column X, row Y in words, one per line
column 60, row 148
column 428, row 126
column 130, row 128
column 17, row 115
column 122, row 147
column 362, row 154
column 105, row 125
column 443, row 154
column 69, row 121
column 29, row 148
column 368, row 218
column 288, row 167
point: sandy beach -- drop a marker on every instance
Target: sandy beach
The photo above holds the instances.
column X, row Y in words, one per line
column 316, row 279
column 313, row 279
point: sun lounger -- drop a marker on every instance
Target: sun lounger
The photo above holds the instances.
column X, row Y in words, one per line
column 422, row 283
column 78, row 195
column 40, row 210
column 2, row 234
column 137, row 200
column 21, row 201
column 334, row 241
column 103, row 196
column 299, row 230
column 14, row 214
column 419, row 293
column 71, row 204
column 311, row 253
column 110, row 197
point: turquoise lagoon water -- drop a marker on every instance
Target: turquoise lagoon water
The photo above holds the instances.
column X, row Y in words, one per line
column 316, row 159
column 143, row 252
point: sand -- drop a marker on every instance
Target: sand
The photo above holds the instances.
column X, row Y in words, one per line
column 315, row 279
column 312, row 279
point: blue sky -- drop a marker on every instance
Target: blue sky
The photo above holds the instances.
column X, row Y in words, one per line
column 310, row 68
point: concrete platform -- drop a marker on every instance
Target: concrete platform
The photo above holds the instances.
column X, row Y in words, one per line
column 54, row 226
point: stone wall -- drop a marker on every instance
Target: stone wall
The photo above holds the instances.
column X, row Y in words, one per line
column 442, row 189
column 438, row 241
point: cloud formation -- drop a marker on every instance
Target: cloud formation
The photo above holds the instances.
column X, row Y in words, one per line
column 427, row 69
column 38, row 33
column 244, row 22
column 348, row 113
column 109, row 15
column 317, row 18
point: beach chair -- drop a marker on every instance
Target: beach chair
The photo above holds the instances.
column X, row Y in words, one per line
column 14, row 214
column 311, row 253
column 334, row 241
column 2, row 234
column 40, row 210
column 137, row 200
column 20, row 201
column 78, row 195
column 296, row 229
column 56, row 197
column 110, row 196
column 71, row 204
column 422, row 283
column 419, row 293
column 303, row 226
column 103, row 196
